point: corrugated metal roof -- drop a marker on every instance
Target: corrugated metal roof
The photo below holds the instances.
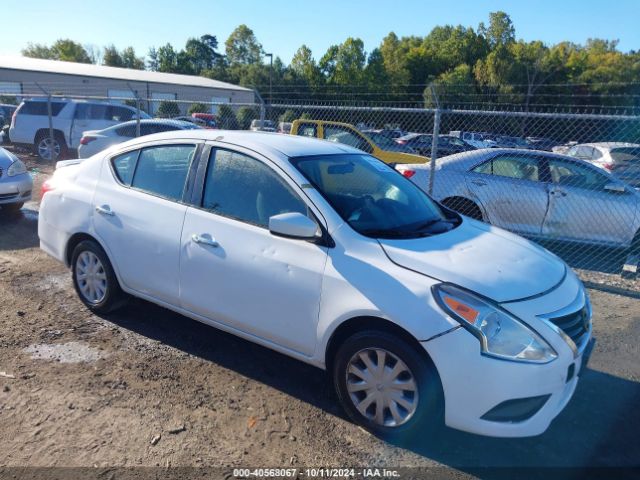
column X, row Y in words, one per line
column 116, row 73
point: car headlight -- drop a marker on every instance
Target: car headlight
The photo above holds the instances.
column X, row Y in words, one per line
column 16, row 168
column 501, row 334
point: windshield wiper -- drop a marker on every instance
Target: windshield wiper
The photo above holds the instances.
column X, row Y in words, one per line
column 388, row 233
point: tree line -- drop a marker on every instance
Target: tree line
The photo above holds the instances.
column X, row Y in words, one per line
column 451, row 65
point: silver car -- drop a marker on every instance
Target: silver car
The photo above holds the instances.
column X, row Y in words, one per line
column 15, row 182
column 537, row 194
column 619, row 158
column 94, row 141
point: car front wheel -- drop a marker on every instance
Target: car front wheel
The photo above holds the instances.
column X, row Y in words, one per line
column 94, row 278
column 386, row 385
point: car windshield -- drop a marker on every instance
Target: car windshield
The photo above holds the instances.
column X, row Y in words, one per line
column 373, row 198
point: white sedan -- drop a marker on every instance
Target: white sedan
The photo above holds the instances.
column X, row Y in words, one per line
column 326, row 254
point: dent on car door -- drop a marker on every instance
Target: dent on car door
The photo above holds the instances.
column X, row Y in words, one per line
column 510, row 189
column 139, row 212
column 234, row 271
column 582, row 209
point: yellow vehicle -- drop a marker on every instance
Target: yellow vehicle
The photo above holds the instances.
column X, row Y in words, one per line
column 386, row 149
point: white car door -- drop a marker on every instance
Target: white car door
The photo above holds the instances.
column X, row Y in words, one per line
column 139, row 215
column 234, row 271
column 582, row 209
column 508, row 186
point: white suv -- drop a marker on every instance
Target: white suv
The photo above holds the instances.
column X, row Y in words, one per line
column 324, row 253
column 30, row 123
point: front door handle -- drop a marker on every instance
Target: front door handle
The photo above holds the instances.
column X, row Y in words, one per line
column 105, row 210
column 205, row 240
column 480, row 183
column 558, row 193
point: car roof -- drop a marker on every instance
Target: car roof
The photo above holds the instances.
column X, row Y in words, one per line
column 265, row 143
column 466, row 160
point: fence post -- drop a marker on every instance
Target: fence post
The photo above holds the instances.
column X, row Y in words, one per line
column 52, row 149
column 135, row 93
column 50, row 115
column 434, row 149
column 262, row 109
column 434, row 140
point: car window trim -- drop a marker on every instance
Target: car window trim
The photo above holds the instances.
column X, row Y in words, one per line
column 187, row 193
column 581, row 163
column 197, row 195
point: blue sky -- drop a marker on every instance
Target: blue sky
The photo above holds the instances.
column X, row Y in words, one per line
column 282, row 26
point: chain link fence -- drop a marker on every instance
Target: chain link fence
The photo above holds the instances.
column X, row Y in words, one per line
column 565, row 177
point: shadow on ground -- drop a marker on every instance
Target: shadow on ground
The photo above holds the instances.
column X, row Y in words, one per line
column 18, row 230
column 599, row 428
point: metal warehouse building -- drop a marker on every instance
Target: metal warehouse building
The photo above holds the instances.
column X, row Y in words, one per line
column 23, row 76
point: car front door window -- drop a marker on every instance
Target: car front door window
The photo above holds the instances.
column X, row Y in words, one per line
column 264, row 193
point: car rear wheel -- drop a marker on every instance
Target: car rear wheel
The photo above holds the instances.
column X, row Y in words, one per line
column 387, row 386
column 45, row 147
column 94, row 278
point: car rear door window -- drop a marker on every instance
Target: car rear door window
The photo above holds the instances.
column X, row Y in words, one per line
column 163, row 170
column 245, row 189
column 124, row 166
column 511, row 166
column 115, row 113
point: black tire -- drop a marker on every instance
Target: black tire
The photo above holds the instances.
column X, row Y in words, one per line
column 428, row 416
column 11, row 207
column 464, row 207
column 113, row 297
column 60, row 143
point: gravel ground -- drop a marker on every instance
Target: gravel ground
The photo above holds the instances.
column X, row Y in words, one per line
column 148, row 387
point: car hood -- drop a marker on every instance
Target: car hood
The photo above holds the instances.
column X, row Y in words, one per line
column 481, row 258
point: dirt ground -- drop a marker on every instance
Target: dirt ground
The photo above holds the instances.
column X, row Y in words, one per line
column 148, row 387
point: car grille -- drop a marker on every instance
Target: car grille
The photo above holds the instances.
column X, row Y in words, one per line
column 575, row 325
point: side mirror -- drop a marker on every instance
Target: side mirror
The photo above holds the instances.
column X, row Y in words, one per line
column 293, row 225
column 614, row 187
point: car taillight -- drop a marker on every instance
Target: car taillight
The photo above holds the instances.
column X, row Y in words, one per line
column 408, row 173
column 608, row 167
column 86, row 139
column 47, row 186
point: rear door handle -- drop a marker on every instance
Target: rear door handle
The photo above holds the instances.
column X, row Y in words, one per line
column 205, row 240
column 105, row 210
column 558, row 193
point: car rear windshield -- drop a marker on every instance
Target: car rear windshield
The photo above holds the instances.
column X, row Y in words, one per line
column 40, row 108
column 626, row 154
column 373, row 198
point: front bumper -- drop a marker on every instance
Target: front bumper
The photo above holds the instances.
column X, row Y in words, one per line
column 474, row 384
column 15, row 189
